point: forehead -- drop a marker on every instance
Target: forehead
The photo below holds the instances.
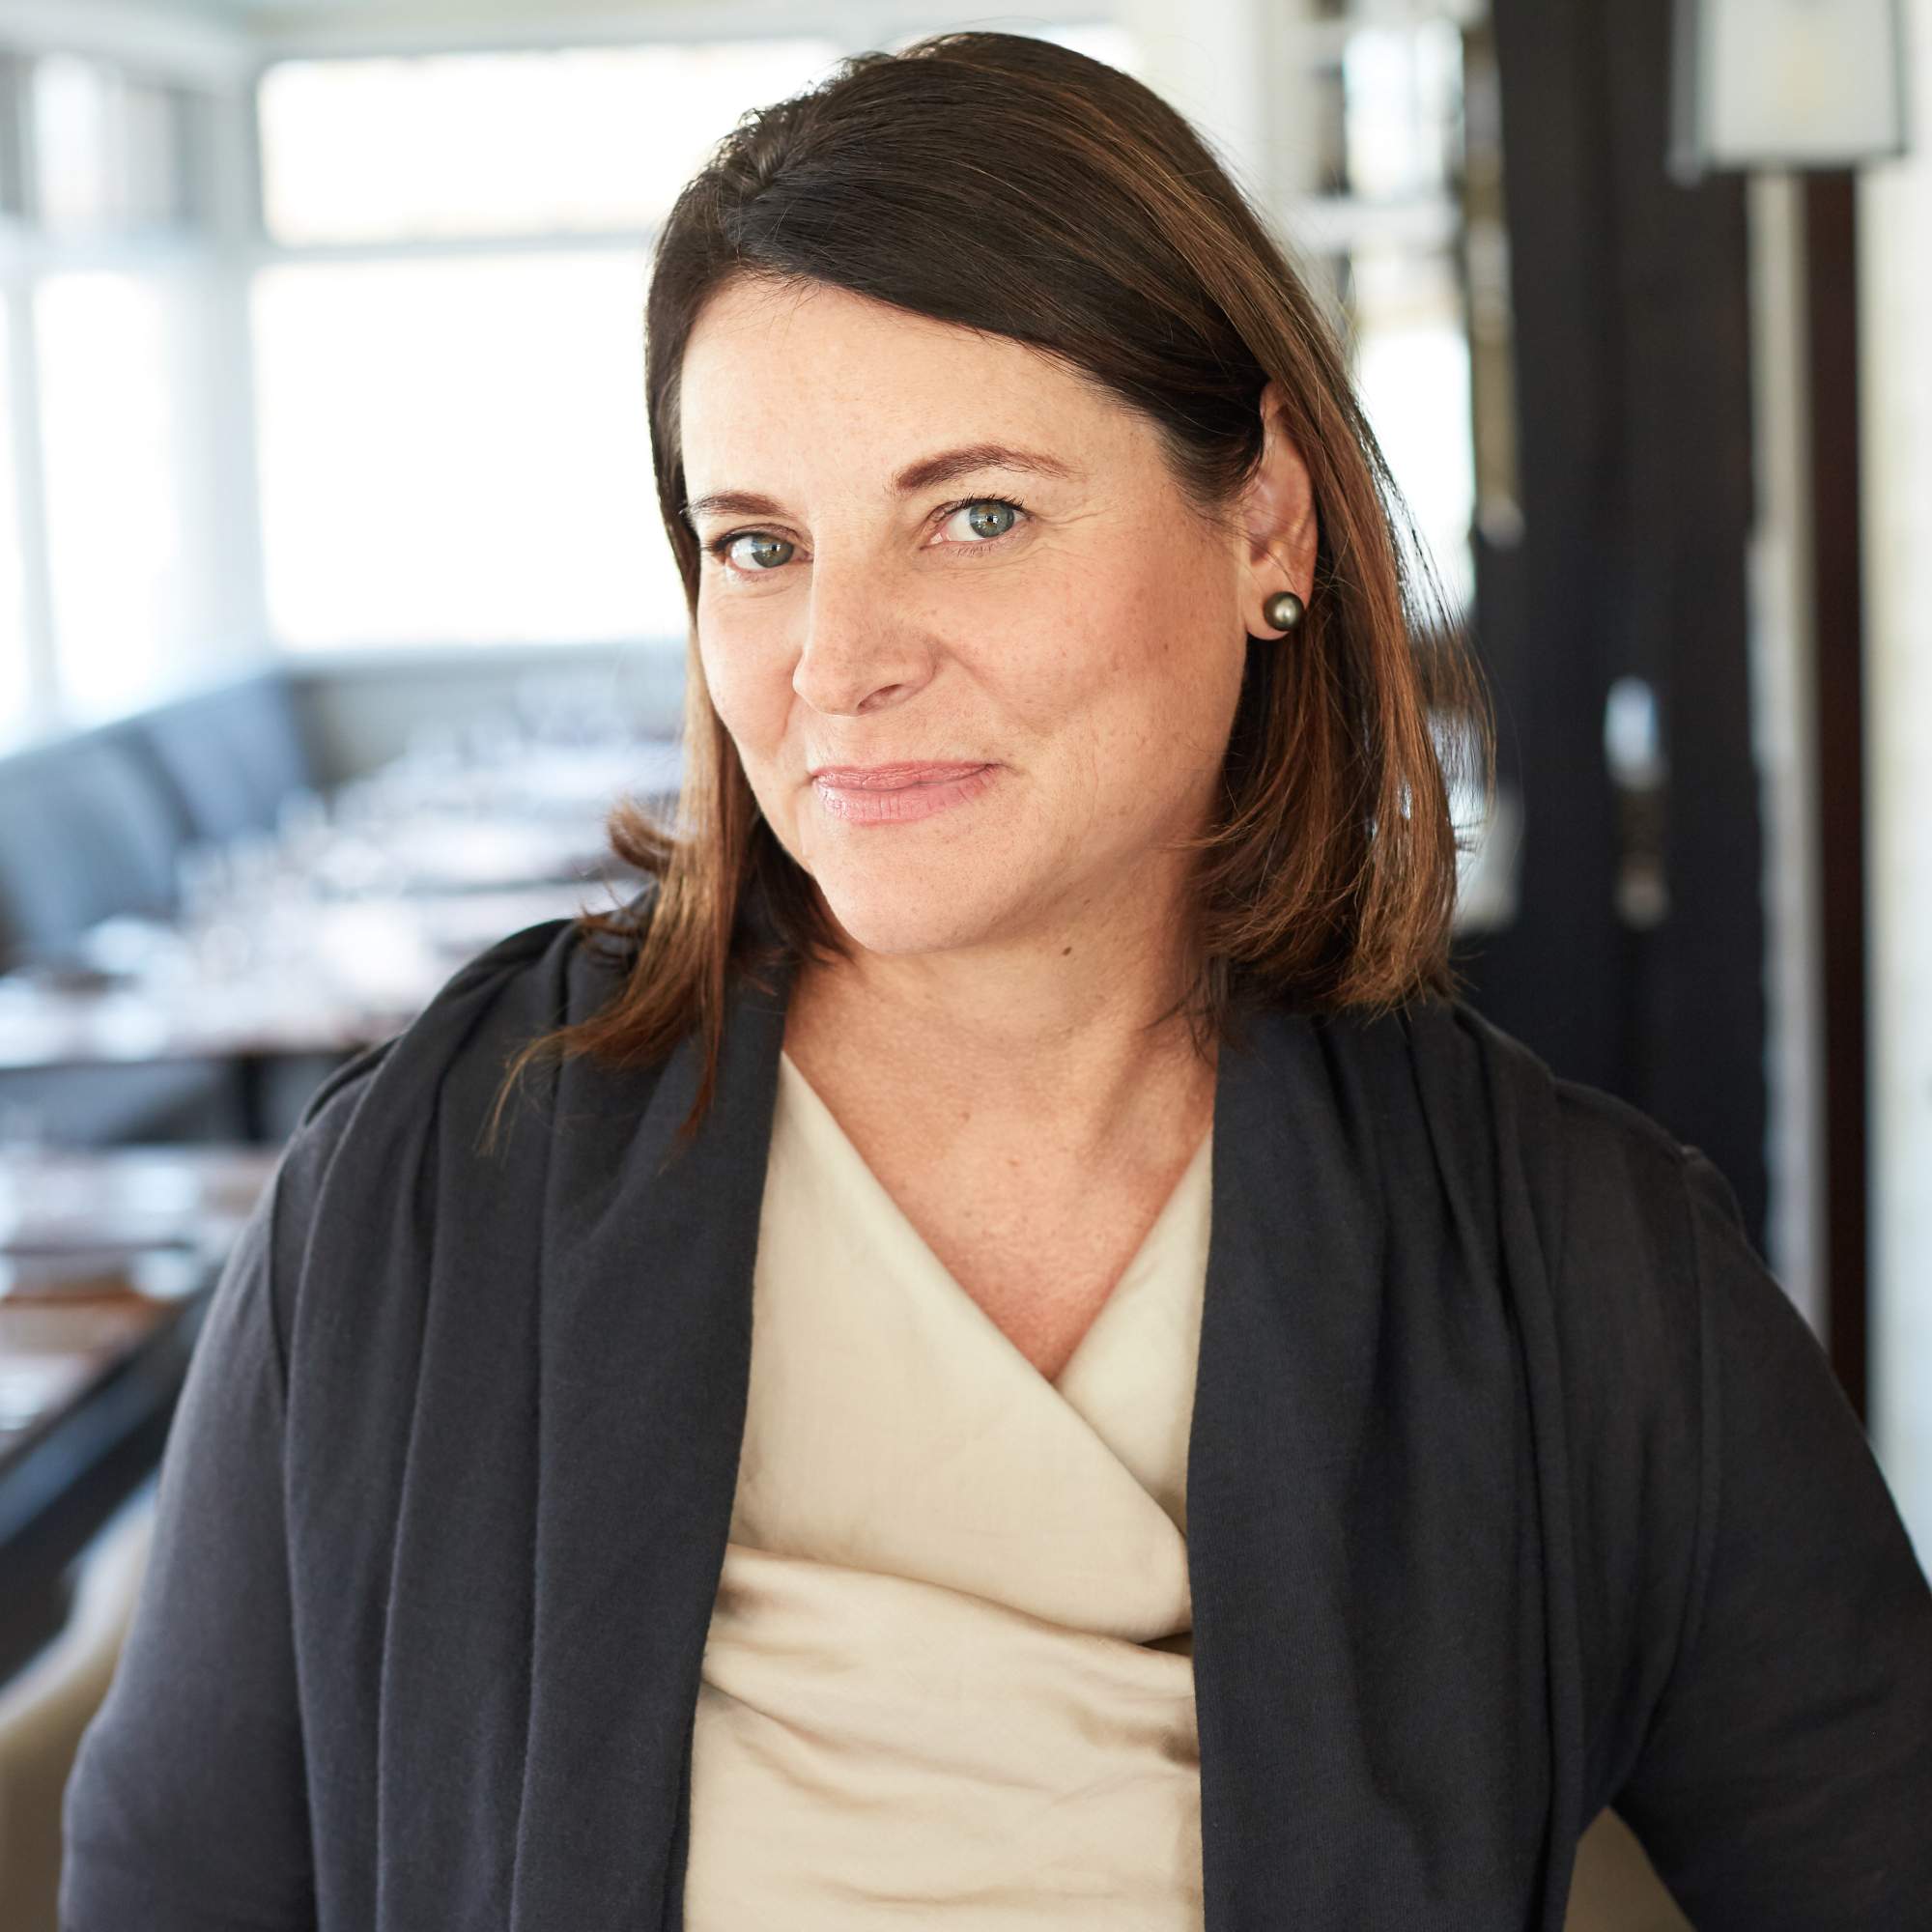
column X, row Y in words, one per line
column 800, row 377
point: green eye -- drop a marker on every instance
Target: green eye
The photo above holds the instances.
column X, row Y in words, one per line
column 763, row 546
column 998, row 508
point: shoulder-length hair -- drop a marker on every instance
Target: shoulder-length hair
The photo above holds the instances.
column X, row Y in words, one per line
column 1013, row 185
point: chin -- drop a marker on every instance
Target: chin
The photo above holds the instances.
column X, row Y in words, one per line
column 906, row 916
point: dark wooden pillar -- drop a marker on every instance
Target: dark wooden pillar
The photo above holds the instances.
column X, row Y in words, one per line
column 1831, row 323
column 1632, row 382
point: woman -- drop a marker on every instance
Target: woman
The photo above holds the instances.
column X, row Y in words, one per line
column 1232, row 1439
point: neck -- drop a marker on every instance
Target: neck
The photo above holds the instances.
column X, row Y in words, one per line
column 1041, row 1047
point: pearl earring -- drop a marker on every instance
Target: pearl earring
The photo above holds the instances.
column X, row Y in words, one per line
column 1284, row 611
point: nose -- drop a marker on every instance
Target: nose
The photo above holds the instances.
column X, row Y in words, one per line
column 861, row 650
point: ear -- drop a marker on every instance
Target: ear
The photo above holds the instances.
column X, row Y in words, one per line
column 1278, row 517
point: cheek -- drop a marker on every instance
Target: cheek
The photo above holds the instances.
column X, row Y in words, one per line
column 748, row 695
column 1160, row 715
column 1162, row 660
column 1193, row 648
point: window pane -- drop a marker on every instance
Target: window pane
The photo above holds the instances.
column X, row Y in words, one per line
column 456, row 451
column 1403, row 92
column 1411, row 354
column 109, row 150
column 14, row 677
column 125, row 549
column 1099, row 40
column 505, row 143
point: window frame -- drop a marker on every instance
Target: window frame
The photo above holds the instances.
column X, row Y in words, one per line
column 201, row 67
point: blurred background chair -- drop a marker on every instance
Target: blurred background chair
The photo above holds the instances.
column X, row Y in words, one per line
column 230, row 758
column 94, row 826
column 89, row 831
column 44, row 1707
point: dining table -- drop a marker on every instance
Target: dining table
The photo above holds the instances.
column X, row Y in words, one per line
column 316, row 979
column 332, row 976
column 107, row 1259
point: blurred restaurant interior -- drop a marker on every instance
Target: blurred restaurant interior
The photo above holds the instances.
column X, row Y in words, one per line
column 335, row 611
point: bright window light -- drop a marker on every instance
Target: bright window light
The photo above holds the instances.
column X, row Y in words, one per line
column 16, row 678
column 563, row 141
column 456, row 451
column 1099, row 40
column 1403, row 90
column 1411, row 356
column 129, row 571
column 109, row 148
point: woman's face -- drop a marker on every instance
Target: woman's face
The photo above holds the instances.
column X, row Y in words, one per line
column 1071, row 627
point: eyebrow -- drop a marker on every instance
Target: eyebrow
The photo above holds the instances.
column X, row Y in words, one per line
column 944, row 467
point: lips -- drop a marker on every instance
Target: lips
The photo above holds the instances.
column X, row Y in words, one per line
column 896, row 795
column 891, row 777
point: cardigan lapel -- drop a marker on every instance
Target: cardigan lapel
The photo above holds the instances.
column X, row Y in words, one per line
column 1365, row 1543
column 645, row 1362
column 1363, row 1510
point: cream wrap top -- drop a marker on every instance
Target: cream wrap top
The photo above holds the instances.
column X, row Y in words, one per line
column 949, row 1664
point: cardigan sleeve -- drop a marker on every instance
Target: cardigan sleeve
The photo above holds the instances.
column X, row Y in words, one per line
column 1784, row 1779
column 186, row 1808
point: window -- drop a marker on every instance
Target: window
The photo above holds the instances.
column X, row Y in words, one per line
column 1384, row 215
column 129, row 579
column 111, row 152
column 495, row 144
column 16, row 672
column 1412, row 352
column 451, row 439
column 1401, row 89
column 108, row 572
column 455, row 450
column 1099, row 40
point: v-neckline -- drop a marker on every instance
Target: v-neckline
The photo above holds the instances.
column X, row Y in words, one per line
column 1129, row 1279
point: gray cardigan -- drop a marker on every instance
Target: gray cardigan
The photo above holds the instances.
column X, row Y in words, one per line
column 1516, row 1488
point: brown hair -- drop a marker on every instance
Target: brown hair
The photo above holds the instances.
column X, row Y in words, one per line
column 1013, row 185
